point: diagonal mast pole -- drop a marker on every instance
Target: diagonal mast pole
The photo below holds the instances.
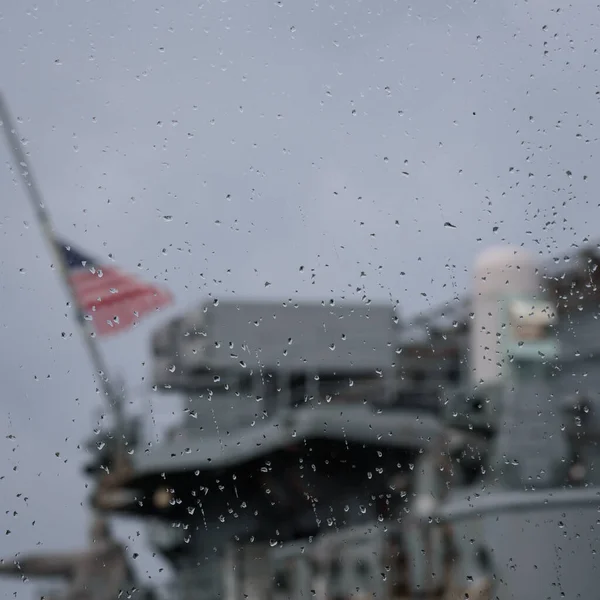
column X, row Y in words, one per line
column 43, row 217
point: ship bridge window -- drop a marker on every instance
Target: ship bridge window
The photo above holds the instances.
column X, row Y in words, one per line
column 417, row 376
column 349, row 388
column 236, row 384
column 453, row 370
column 244, row 384
column 453, row 375
column 272, row 387
column 270, row 384
column 298, row 387
column 335, row 387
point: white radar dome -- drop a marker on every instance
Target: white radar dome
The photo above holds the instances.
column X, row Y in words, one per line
column 498, row 272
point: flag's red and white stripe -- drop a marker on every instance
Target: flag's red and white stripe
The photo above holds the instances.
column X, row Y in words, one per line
column 114, row 300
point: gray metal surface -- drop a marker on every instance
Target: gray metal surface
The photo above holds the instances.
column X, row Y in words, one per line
column 530, row 445
column 303, row 337
column 475, row 502
column 541, row 545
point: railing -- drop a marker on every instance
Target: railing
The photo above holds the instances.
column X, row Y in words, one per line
column 386, row 394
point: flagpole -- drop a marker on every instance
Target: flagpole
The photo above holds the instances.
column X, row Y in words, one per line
column 43, row 217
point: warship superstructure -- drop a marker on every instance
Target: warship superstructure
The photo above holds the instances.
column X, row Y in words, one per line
column 296, row 422
column 319, row 493
column 341, row 453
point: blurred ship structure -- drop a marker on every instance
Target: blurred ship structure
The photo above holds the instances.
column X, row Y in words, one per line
column 336, row 451
column 510, row 489
column 333, row 450
column 296, row 421
column 351, row 482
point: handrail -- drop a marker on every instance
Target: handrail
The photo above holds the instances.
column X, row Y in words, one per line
column 456, row 510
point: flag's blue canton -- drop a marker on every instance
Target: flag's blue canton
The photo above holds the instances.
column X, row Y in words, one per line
column 74, row 258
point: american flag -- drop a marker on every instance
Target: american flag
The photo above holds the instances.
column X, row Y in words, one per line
column 112, row 299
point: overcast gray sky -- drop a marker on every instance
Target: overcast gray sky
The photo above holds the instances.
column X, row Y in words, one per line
column 222, row 145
